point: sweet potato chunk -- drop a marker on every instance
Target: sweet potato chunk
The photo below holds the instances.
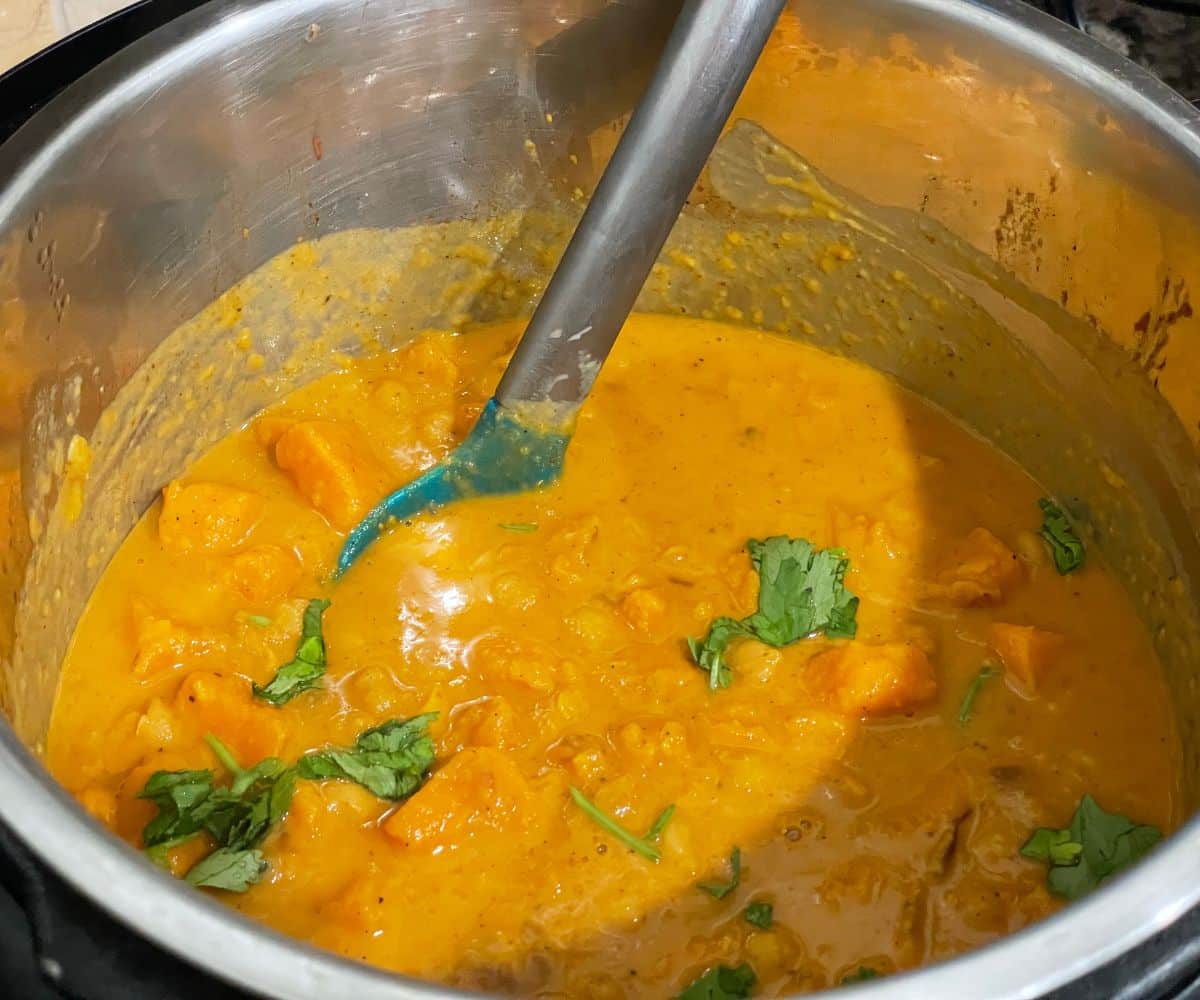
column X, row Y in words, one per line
column 490, row 722
column 1025, row 651
column 164, row 645
column 320, row 810
column 431, row 356
column 263, row 573
column 983, row 570
column 100, row 803
column 222, row 704
column 333, row 469
column 504, row 657
column 569, row 549
column 156, row 727
column 479, row 791
column 862, row 679
column 269, row 429
column 644, row 610
column 881, row 554
column 207, row 517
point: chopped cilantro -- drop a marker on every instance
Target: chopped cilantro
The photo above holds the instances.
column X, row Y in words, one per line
column 760, row 915
column 1095, row 846
column 233, row 871
column 237, row 817
column 709, row 654
column 645, row 846
column 660, row 824
column 859, row 975
column 720, row 890
column 225, row 756
column 241, row 816
column 800, row 593
column 391, row 760
column 160, row 853
column 986, row 673
column 521, row 527
column 722, row 983
column 1065, row 546
column 178, row 794
column 305, row 670
column 1055, row 847
column 262, row 621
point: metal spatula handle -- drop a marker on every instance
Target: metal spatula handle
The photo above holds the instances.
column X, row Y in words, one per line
column 709, row 55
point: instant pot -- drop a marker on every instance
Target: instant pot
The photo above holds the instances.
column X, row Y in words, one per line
column 155, row 159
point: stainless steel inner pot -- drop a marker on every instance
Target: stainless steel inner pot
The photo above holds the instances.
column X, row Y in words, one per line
column 1057, row 185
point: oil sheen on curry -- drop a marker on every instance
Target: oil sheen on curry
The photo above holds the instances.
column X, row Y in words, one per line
column 789, row 681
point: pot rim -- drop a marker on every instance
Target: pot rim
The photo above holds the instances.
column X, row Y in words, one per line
column 188, row 924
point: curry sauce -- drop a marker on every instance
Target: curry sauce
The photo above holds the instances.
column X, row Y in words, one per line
column 875, row 807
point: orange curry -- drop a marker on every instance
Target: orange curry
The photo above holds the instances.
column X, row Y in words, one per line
column 878, row 789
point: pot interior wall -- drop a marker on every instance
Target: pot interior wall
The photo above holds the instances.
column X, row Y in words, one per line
column 408, row 166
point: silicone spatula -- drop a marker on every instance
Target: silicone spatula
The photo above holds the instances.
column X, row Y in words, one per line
column 521, row 437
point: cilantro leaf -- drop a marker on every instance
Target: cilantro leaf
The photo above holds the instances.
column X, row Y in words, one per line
column 709, row 654
column 237, row 817
column 1065, row 546
column 986, row 673
column 241, row 821
column 160, row 853
column 520, row 527
column 722, row 983
column 233, row 871
column 1055, row 847
column 645, row 846
column 177, row 795
column 1095, row 846
column 800, row 593
column 719, row 890
column 391, row 760
column 860, row 975
column 760, row 915
column 303, row 671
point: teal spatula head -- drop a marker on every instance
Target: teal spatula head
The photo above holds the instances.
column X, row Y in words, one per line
column 509, row 450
